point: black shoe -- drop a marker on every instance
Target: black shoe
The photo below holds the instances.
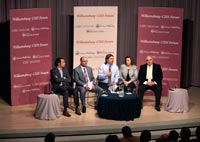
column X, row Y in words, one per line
column 95, row 107
column 157, row 108
column 77, row 111
column 141, row 106
column 84, row 109
column 66, row 113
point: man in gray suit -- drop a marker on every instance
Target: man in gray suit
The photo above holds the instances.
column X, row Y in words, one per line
column 85, row 81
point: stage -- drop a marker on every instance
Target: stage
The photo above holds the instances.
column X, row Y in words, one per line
column 19, row 124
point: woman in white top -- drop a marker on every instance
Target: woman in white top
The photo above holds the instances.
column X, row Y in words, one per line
column 129, row 74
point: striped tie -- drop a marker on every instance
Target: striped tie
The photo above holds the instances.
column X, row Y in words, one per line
column 85, row 75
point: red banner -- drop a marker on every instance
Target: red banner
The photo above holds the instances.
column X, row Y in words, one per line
column 30, row 53
column 160, row 35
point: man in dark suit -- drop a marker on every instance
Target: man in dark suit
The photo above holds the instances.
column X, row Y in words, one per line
column 150, row 77
column 61, row 80
column 85, row 81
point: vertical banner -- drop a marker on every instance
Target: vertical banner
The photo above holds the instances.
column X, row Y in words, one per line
column 95, row 34
column 160, row 35
column 30, row 53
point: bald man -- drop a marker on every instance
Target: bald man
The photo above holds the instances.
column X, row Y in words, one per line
column 83, row 76
column 150, row 77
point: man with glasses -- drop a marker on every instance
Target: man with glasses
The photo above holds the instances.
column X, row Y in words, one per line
column 150, row 77
column 85, row 81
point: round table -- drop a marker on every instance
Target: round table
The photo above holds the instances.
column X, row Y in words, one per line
column 119, row 108
column 177, row 100
column 48, row 107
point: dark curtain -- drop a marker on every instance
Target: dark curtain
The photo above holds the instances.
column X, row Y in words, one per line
column 62, row 29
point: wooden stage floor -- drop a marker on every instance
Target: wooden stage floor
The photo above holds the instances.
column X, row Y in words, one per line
column 20, row 118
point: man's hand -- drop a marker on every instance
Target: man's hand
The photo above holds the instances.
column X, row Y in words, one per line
column 150, row 83
column 109, row 73
column 112, row 84
column 87, row 88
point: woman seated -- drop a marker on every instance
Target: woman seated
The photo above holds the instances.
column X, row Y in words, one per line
column 129, row 74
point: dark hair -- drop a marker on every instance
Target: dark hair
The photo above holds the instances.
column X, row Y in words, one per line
column 50, row 137
column 145, row 136
column 126, row 131
column 58, row 60
column 130, row 58
column 173, row 135
column 185, row 134
column 107, row 57
column 112, row 138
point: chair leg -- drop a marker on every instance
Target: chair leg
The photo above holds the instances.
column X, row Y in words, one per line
column 88, row 97
column 71, row 103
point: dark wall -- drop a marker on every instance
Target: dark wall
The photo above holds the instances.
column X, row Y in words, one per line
column 186, row 53
column 62, row 28
column 5, row 61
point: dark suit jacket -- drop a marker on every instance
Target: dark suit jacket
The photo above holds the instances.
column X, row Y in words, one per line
column 56, row 78
column 157, row 74
column 79, row 76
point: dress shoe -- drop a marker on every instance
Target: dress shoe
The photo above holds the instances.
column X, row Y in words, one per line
column 157, row 108
column 77, row 111
column 84, row 109
column 66, row 113
column 141, row 106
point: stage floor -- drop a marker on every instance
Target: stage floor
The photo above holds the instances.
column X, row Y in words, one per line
column 20, row 118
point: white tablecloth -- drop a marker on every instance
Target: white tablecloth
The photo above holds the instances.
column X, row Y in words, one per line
column 48, row 107
column 178, row 100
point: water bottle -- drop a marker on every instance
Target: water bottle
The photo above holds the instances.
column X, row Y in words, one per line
column 121, row 90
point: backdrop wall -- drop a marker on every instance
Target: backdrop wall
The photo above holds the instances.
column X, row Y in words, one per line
column 160, row 35
column 30, row 53
column 62, row 28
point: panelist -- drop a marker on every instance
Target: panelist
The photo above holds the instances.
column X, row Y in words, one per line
column 85, row 81
column 61, row 80
column 150, row 77
column 108, row 73
column 129, row 73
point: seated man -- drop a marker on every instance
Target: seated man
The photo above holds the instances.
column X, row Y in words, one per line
column 61, row 80
column 108, row 73
column 85, row 81
column 150, row 77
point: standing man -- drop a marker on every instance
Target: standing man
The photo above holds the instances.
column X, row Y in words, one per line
column 150, row 77
column 85, row 81
column 61, row 80
column 108, row 73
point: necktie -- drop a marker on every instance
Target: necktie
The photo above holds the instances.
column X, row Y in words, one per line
column 85, row 75
column 149, row 74
column 109, row 78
